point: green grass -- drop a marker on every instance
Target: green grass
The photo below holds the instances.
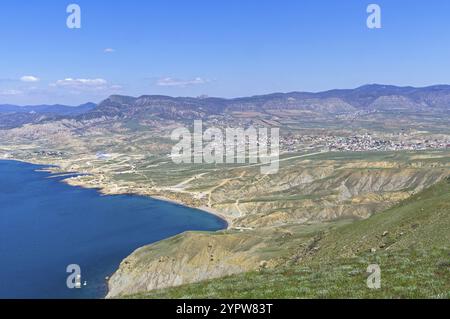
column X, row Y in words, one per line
column 408, row 274
column 411, row 242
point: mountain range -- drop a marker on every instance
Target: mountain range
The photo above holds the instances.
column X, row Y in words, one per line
column 48, row 109
column 367, row 98
column 13, row 115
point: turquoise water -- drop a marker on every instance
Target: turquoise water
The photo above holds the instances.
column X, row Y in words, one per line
column 45, row 225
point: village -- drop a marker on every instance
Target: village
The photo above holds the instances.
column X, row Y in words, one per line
column 362, row 143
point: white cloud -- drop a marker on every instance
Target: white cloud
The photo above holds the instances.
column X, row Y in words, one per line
column 29, row 78
column 168, row 81
column 10, row 92
column 96, row 84
column 109, row 50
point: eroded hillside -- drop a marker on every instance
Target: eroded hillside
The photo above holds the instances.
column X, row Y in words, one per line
column 409, row 242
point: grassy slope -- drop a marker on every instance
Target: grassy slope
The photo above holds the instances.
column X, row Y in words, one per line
column 412, row 248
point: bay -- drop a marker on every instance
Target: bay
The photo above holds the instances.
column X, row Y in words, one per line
column 46, row 225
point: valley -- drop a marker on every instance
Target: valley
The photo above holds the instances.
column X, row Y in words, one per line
column 346, row 158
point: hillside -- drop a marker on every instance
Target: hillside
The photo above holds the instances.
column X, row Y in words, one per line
column 346, row 155
column 12, row 116
column 409, row 242
column 375, row 97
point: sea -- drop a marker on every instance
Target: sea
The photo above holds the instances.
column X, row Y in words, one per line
column 62, row 242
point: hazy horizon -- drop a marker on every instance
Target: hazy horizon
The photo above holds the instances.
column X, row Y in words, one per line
column 228, row 98
column 226, row 50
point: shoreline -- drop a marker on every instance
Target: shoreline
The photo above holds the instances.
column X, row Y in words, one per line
column 208, row 210
column 55, row 171
column 103, row 190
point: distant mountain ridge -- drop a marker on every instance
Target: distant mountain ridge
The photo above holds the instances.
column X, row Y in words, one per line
column 368, row 98
column 58, row 109
column 374, row 97
column 12, row 116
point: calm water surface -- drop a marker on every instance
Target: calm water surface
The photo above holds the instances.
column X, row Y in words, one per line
column 45, row 225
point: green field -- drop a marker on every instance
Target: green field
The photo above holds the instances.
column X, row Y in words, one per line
column 410, row 243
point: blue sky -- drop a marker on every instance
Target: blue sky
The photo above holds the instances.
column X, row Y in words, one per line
column 222, row 48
